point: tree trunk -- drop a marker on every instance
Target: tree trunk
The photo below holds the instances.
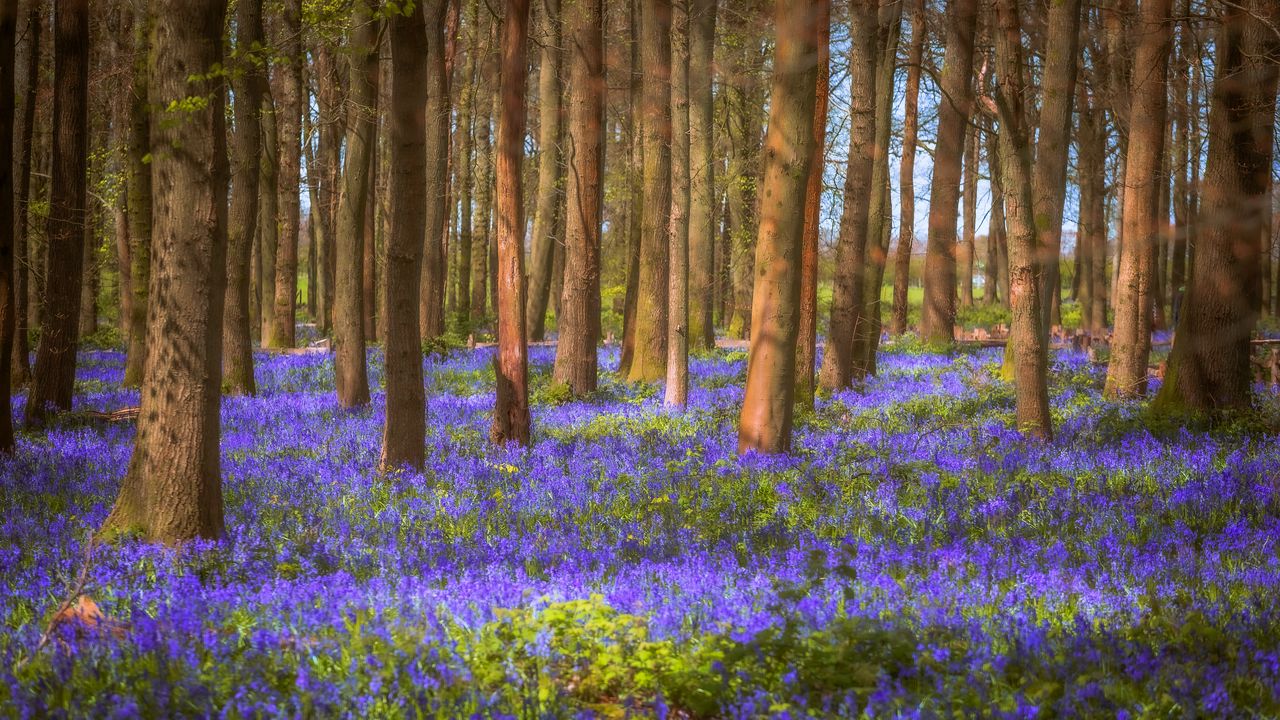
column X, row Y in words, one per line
column 839, row 363
column 649, row 362
column 55, row 368
column 938, row 315
column 576, row 361
column 404, row 435
column 677, row 390
column 906, row 174
column 484, row 181
column 702, row 205
column 92, row 278
column 350, row 371
column 246, row 149
column 288, row 148
column 8, row 35
column 635, row 192
column 369, row 238
column 21, row 370
column 511, row 409
column 550, row 136
column 1209, row 366
column 173, row 491
column 967, row 249
column 1029, row 342
column 466, row 123
column 1131, row 342
column 807, row 332
column 268, row 216
column 768, row 405
column 439, row 114
column 1181, row 160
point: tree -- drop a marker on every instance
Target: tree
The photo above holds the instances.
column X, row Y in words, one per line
column 173, row 490
column 1131, row 344
column 546, row 217
column 55, row 368
column 938, row 315
column 576, row 360
column 649, row 362
column 1209, row 365
column 807, row 343
column 702, row 177
column 466, row 113
column 8, row 34
column 1029, row 342
column 439, row 111
column 768, row 405
column 907, row 171
column 21, row 371
column 839, row 365
column 677, row 390
column 404, row 437
column 350, row 371
column 246, row 149
column 511, row 409
column 288, row 119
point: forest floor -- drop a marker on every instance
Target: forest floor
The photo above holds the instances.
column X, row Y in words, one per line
column 914, row 557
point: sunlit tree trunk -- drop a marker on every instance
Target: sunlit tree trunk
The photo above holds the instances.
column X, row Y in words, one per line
column 511, row 408
column 635, row 190
column 54, row 375
column 906, row 173
column 677, row 389
column 938, row 315
column 702, row 207
column 768, row 405
column 546, row 216
column 350, row 371
column 1209, row 366
column 1131, row 343
column 173, row 490
column 807, row 343
column 288, row 104
column 968, row 243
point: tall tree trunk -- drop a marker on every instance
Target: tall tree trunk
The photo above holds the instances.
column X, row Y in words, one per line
column 268, row 216
column 1209, row 366
column 1131, row 343
column 466, row 123
column 677, row 390
column 1092, row 237
column 550, row 135
column 350, row 371
column 576, row 360
column 906, row 173
column 769, row 402
column 404, row 435
column 484, row 181
column 511, row 409
column 138, row 187
column 369, row 238
column 439, row 112
column 55, row 369
column 1030, row 354
column 21, row 371
column 288, row 148
column 1181, row 159
column 807, row 333
column 8, row 36
column 839, row 363
column 246, row 149
column 173, row 491
column 635, row 192
column 649, row 363
column 702, row 205
column 938, row 315
column 968, row 243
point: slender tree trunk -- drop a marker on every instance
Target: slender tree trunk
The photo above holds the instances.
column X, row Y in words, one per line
column 576, row 360
column 839, row 363
column 1181, row 159
column 288, row 123
column 677, row 390
column 55, row 368
column 268, row 216
column 484, row 182
column 1209, row 366
column 350, row 370
column 938, row 315
column 511, row 409
column 92, row 276
column 702, row 206
column 649, row 363
column 439, row 112
column 246, row 149
column 906, row 174
column 404, row 435
column 466, row 124
column 138, row 187
column 546, row 216
column 173, row 491
column 21, row 371
column 369, row 239
column 8, row 310
column 1131, row 343
column 769, row 402
column 635, row 192
column 967, row 249
column 807, row 344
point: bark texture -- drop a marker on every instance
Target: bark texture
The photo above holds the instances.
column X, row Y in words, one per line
column 8, row 34
column 907, row 172
column 807, row 334
column 702, row 175
column 677, row 389
column 546, row 218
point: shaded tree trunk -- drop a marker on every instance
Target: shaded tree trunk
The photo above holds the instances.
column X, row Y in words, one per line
column 546, row 216
column 466, row 123
column 907, row 171
column 702, row 205
column 8, row 39
column 21, row 370
column 138, row 187
column 289, row 153
column 404, row 434
column 173, row 491
column 807, row 332
column 350, row 371
column 511, row 408
column 55, row 369
column 268, row 217
column 484, row 185
column 635, row 193
column 439, row 112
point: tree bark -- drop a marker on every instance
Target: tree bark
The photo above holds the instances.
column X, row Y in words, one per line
column 907, row 171
column 246, row 149
column 350, row 370
column 8, row 310
column 439, row 115
column 807, row 333
column 21, row 369
column 677, row 389
column 173, row 491
column 484, row 186
column 938, row 315
column 1209, row 366
column 54, row 376
column 968, row 244
column 138, row 187
column 466, row 122
column 839, row 364
column 769, row 402
column 289, row 153
column 268, row 216
column 404, row 435
column 549, row 200
column 1131, row 341
column 511, row 408
column 649, row 362
column 635, row 192
column 702, row 205
column 576, row 360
